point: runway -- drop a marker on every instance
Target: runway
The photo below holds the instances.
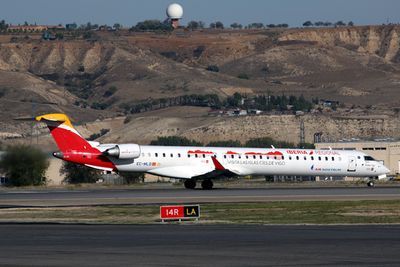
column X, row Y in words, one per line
column 80, row 197
column 198, row 245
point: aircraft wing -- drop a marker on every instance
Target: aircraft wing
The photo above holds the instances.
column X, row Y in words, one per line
column 192, row 172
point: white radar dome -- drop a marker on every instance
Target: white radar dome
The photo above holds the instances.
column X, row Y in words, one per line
column 174, row 11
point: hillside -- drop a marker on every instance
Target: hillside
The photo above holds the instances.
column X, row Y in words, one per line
column 358, row 66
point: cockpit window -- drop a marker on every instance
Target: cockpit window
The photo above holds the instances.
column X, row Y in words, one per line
column 368, row 158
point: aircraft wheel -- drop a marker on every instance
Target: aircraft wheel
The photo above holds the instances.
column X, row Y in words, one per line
column 190, row 184
column 207, row 184
column 370, row 184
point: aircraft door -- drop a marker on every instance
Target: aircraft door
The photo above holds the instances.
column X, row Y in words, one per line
column 352, row 164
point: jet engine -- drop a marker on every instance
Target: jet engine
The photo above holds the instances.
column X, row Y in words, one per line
column 124, row 151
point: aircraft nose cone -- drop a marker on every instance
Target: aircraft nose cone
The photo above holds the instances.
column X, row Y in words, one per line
column 385, row 169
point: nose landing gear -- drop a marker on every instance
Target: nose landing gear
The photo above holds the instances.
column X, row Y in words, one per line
column 370, row 184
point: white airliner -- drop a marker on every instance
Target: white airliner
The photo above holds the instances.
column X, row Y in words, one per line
column 205, row 163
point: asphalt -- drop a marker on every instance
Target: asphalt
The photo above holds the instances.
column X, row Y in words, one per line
column 57, row 197
column 198, row 245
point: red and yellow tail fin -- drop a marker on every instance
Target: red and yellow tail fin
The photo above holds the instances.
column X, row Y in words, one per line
column 65, row 135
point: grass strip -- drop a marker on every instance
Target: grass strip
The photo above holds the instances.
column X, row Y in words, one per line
column 275, row 212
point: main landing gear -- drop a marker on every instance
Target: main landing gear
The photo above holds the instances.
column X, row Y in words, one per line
column 190, row 184
column 206, row 184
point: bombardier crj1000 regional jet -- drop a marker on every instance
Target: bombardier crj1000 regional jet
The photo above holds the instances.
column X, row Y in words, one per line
column 205, row 163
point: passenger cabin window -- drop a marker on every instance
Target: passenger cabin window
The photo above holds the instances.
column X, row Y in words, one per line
column 333, row 158
column 163, row 154
column 312, row 157
column 319, row 158
column 254, row 156
column 204, row 155
column 297, row 157
column 172, row 155
column 305, row 158
column 260, row 157
column 232, row 156
column 369, row 158
column 247, row 157
column 156, row 154
column 179, row 155
column 283, row 157
column 195, row 155
column 188, row 155
column 224, row 156
column 326, row 158
column 290, row 157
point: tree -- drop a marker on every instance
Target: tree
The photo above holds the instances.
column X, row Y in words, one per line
column 267, row 142
column 255, row 25
column 213, row 68
column 350, row 23
column 236, row 25
column 3, row 25
column 340, row 23
column 117, row 26
column 75, row 173
column 228, row 143
column 132, row 177
column 212, row 25
column 193, row 25
column 174, row 141
column 152, row 25
column 24, row 165
column 219, row 25
column 307, row 23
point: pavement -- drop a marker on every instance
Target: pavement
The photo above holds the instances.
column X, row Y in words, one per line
column 82, row 197
column 198, row 245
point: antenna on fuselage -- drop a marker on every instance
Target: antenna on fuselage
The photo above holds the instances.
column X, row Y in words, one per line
column 272, row 147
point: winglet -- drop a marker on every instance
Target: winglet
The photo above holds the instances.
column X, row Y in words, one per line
column 217, row 164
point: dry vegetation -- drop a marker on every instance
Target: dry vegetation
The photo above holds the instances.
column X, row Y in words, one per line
column 358, row 66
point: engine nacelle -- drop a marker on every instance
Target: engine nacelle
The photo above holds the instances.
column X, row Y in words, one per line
column 124, row 151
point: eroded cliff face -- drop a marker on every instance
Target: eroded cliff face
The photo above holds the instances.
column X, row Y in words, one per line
column 380, row 40
column 287, row 128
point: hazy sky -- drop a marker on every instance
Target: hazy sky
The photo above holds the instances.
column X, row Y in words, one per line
column 129, row 12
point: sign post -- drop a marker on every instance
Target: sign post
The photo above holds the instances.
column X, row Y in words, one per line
column 179, row 212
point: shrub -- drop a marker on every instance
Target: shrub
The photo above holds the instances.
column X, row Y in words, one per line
column 243, row 76
column 75, row 173
column 24, row 165
column 213, row 68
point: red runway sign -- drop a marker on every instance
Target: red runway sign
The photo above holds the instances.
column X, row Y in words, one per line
column 180, row 212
